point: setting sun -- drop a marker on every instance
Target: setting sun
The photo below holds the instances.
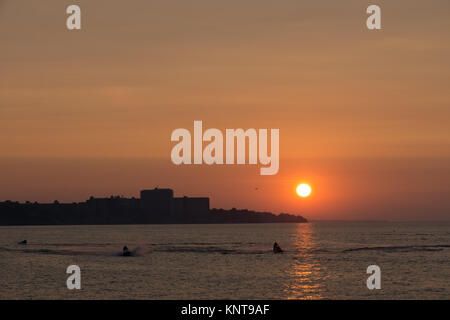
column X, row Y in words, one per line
column 303, row 190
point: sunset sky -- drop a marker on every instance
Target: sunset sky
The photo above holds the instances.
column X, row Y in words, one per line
column 364, row 116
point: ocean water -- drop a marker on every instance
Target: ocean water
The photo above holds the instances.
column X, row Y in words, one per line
column 323, row 260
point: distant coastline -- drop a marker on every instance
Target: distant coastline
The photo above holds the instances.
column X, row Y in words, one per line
column 155, row 206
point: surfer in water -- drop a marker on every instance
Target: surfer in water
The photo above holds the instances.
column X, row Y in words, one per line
column 22, row 242
column 277, row 248
column 126, row 252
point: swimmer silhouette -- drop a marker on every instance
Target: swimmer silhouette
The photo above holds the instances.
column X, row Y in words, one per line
column 277, row 248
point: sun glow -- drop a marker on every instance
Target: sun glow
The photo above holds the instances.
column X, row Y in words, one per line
column 303, row 190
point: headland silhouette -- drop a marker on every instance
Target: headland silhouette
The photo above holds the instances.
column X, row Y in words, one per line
column 155, row 206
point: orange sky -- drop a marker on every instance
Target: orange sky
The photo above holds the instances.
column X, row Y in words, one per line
column 363, row 115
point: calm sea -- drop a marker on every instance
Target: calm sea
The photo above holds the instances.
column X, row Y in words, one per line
column 326, row 260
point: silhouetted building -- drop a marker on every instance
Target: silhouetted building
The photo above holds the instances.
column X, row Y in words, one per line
column 114, row 209
column 185, row 209
column 154, row 206
column 157, row 204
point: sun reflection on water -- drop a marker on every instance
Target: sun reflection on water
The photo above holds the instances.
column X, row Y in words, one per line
column 306, row 275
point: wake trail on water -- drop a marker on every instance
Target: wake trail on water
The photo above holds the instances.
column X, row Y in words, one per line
column 410, row 248
column 208, row 248
column 136, row 252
